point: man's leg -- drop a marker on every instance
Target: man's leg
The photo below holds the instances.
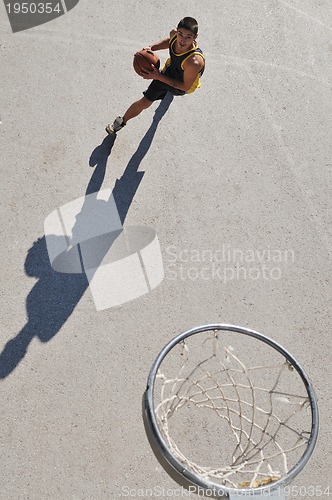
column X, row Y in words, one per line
column 136, row 108
column 156, row 91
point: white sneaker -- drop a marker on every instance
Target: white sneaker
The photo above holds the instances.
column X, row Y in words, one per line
column 117, row 125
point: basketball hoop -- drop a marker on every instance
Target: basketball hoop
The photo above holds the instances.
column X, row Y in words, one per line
column 229, row 412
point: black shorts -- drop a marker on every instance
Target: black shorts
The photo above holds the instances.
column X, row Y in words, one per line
column 157, row 91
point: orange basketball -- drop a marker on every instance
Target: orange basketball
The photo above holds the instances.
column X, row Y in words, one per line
column 144, row 59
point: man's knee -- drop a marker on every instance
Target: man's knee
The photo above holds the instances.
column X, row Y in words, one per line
column 145, row 103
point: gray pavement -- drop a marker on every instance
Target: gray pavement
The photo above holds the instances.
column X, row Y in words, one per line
column 235, row 180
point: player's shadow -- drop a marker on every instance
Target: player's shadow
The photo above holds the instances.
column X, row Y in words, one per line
column 55, row 295
column 125, row 187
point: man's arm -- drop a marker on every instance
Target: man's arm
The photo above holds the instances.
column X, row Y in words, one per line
column 191, row 69
column 163, row 44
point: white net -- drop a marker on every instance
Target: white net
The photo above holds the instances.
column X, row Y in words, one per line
column 232, row 409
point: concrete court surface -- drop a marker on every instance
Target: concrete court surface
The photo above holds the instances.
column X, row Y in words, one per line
column 240, row 169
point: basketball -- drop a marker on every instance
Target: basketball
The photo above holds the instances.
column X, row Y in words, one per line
column 144, row 59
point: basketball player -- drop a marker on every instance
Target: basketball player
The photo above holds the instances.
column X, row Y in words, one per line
column 180, row 75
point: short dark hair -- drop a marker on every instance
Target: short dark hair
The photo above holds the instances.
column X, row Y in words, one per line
column 190, row 24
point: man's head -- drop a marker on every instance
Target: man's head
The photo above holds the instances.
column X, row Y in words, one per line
column 187, row 31
column 189, row 24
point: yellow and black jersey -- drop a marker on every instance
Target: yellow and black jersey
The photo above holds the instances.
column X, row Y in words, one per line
column 174, row 66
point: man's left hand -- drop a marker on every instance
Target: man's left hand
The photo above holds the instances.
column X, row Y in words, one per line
column 151, row 75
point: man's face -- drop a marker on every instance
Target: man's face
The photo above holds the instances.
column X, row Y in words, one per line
column 185, row 39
